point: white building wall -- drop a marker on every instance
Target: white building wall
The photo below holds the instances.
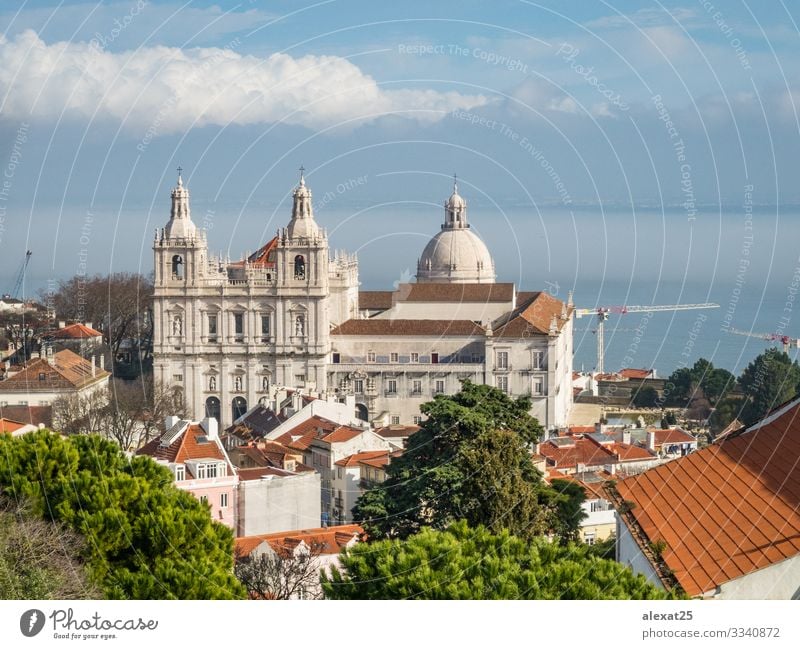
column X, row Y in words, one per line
column 629, row 554
column 778, row 581
column 278, row 504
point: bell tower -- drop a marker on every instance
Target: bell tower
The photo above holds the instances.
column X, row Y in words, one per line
column 302, row 340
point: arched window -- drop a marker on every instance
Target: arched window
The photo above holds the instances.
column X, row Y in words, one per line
column 238, row 407
column 361, row 412
column 212, row 408
column 177, row 267
column 299, row 267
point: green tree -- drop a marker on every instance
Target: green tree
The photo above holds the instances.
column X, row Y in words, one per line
column 645, row 397
column 692, row 386
column 470, row 460
column 768, row 381
column 473, row 563
column 570, row 514
column 726, row 411
column 145, row 538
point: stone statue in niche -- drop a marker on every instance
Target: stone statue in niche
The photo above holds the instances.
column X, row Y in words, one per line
column 265, row 383
column 300, row 326
column 177, row 326
column 212, row 383
column 237, row 383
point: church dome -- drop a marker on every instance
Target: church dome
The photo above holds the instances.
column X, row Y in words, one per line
column 456, row 254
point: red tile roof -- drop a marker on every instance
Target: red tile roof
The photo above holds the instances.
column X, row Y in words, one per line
column 633, row 373
column 446, row 292
column 29, row 414
column 342, row 434
column 397, row 430
column 728, row 509
column 375, row 300
column 301, row 436
column 264, row 257
column 610, row 376
column 356, row 458
column 581, row 429
column 191, row 444
column 75, row 331
column 398, row 327
column 533, row 316
column 329, row 540
column 9, row 425
column 588, row 452
column 262, row 472
column 68, row 371
column 672, row 436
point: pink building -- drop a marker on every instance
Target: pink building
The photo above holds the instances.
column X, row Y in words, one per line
column 194, row 454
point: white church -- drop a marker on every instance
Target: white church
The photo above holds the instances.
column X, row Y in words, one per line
column 229, row 333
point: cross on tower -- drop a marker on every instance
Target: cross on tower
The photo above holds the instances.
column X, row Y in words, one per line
column 455, row 183
column 180, row 170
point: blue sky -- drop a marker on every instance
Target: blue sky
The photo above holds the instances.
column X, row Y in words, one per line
column 542, row 108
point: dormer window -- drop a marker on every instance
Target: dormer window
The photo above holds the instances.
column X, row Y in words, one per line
column 177, row 267
column 180, row 472
column 299, row 267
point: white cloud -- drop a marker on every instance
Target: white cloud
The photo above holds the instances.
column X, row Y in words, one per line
column 176, row 89
column 647, row 17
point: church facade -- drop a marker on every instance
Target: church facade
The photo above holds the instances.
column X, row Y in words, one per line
column 229, row 333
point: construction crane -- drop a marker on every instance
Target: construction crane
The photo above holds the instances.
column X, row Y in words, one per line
column 20, row 275
column 602, row 313
column 786, row 341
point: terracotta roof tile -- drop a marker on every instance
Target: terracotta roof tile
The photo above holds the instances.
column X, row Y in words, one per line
column 397, row 430
column 633, row 373
column 9, row 425
column 262, row 472
column 727, row 509
column 446, row 292
column 264, row 257
column 191, row 444
column 672, row 436
column 398, row 327
column 356, row 458
column 301, row 436
column 68, row 371
column 330, row 540
column 532, row 317
column 28, row 414
column 375, row 300
column 342, row 434
column 75, row 331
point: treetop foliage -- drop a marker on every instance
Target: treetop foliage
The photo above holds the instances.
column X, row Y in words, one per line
column 473, row 563
column 145, row 539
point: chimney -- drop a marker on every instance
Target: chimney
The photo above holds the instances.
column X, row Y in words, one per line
column 62, row 324
column 626, row 436
column 89, row 325
column 297, row 401
column 94, row 366
column 102, row 361
column 50, row 356
column 170, row 421
column 210, row 425
column 651, row 441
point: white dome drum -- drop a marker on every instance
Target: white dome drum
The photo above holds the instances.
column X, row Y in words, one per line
column 456, row 254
